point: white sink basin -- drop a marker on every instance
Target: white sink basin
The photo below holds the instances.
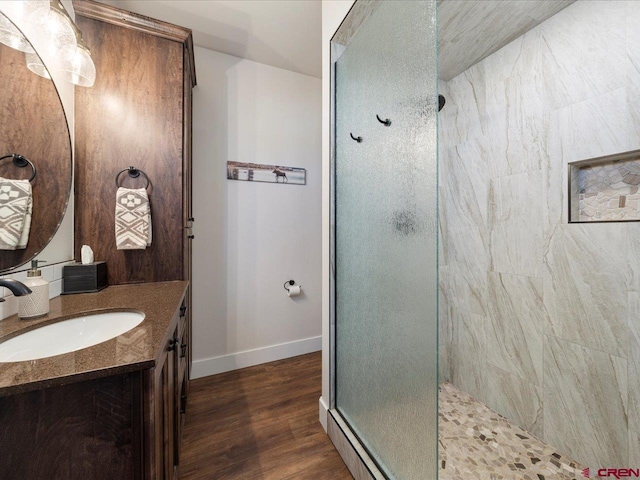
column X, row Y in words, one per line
column 68, row 336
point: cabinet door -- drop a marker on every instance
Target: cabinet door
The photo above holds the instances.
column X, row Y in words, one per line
column 182, row 352
column 168, row 391
column 164, row 410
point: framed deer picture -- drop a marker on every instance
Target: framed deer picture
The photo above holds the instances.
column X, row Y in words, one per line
column 256, row 172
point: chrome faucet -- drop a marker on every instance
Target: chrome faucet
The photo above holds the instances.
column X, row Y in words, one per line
column 17, row 288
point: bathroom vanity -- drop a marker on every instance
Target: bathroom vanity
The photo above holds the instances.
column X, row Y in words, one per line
column 111, row 411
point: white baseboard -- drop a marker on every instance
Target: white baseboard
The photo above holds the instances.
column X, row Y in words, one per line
column 324, row 411
column 249, row 358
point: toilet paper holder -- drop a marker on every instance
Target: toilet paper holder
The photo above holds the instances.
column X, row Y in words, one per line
column 289, row 282
column 292, row 289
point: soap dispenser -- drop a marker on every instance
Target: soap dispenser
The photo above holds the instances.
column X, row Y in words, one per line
column 36, row 303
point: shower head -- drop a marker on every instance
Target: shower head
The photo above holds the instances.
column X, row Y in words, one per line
column 441, row 102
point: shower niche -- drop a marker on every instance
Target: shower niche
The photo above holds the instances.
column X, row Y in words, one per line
column 605, row 189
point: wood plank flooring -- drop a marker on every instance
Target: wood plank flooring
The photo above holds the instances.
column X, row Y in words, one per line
column 259, row 423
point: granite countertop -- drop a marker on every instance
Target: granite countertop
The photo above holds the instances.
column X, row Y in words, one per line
column 137, row 349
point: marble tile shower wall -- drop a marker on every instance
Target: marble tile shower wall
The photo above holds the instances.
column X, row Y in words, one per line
column 540, row 319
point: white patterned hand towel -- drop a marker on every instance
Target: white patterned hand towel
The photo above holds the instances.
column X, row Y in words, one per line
column 24, row 238
column 133, row 219
column 16, row 203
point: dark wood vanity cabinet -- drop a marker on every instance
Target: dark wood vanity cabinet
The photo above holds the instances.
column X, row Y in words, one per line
column 114, row 411
column 167, row 401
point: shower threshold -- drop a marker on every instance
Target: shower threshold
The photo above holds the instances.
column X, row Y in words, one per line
column 476, row 442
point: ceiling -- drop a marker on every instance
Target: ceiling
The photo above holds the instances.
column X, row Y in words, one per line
column 287, row 33
column 469, row 31
column 282, row 33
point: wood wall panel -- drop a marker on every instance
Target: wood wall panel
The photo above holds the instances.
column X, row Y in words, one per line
column 133, row 115
column 34, row 125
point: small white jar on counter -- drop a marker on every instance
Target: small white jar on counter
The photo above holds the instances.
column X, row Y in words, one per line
column 36, row 303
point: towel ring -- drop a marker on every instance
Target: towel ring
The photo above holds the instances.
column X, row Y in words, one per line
column 21, row 162
column 133, row 173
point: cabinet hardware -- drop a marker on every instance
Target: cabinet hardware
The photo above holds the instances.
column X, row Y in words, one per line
column 183, row 350
column 173, row 343
column 183, row 310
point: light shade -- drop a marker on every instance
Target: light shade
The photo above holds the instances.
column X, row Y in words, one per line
column 12, row 37
column 34, row 63
column 77, row 66
column 58, row 25
column 29, row 10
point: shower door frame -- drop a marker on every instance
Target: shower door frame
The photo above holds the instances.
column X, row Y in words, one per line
column 355, row 456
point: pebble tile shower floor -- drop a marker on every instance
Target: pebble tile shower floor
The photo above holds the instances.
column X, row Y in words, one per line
column 477, row 443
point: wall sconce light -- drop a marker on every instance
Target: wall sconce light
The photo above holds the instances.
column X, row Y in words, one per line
column 34, row 63
column 12, row 37
column 77, row 66
column 64, row 40
column 27, row 10
column 59, row 26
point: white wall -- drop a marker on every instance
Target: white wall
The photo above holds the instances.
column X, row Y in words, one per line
column 333, row 12
column 252, row 237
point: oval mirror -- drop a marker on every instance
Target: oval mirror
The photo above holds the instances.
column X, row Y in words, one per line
column 34, row 138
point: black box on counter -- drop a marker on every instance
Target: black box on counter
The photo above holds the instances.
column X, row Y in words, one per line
column 79, row 278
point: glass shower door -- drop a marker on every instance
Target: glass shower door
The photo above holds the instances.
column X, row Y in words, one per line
column 386, row 238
